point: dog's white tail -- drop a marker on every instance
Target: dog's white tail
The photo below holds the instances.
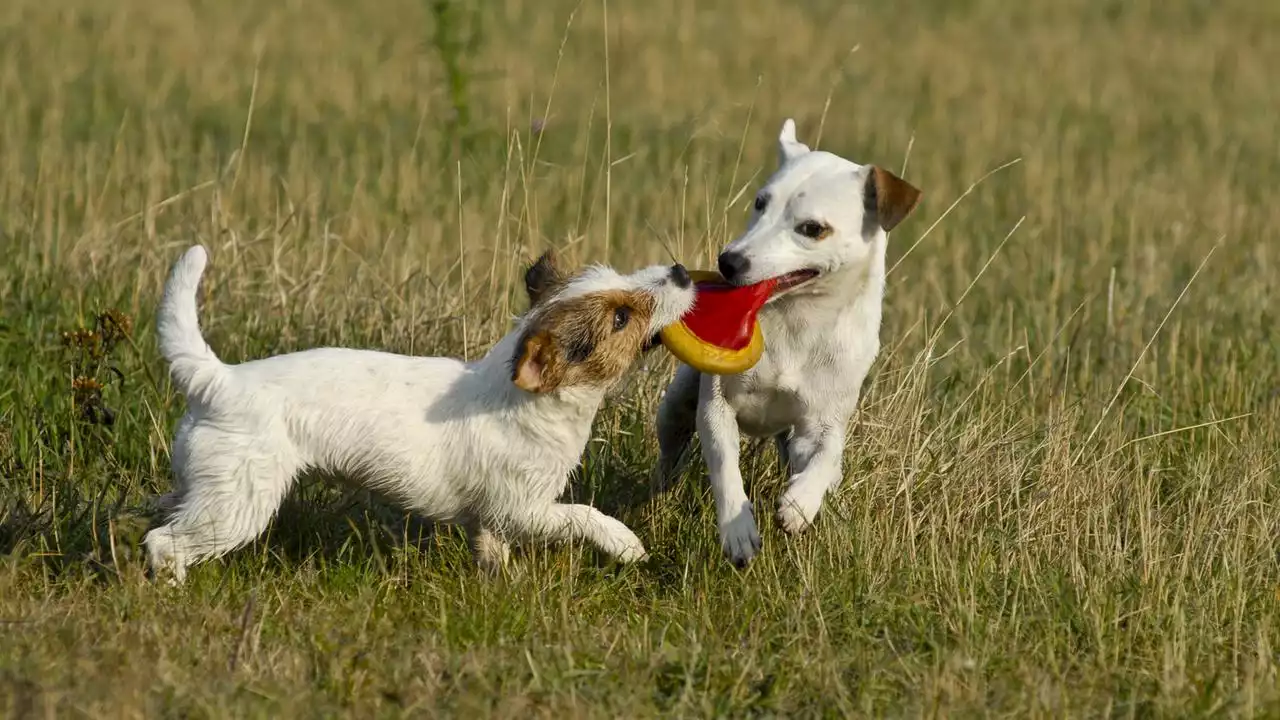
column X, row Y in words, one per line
column 192, row 364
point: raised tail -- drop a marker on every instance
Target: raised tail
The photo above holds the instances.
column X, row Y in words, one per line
column 192, row 364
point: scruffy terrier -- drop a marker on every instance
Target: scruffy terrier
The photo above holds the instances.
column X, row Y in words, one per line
column 487, row 444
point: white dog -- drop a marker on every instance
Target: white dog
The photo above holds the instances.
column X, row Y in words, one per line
column 488, row 444
column 820, row 226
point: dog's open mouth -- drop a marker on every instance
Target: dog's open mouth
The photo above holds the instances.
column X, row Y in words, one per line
column 794, row 280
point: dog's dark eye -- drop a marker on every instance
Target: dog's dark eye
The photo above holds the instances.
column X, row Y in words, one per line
column 762, row 201
column 813, row 229
column 621, row 317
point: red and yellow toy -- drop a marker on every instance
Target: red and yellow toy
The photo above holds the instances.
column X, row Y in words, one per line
column 721, row 335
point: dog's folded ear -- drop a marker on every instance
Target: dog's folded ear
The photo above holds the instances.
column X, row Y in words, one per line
column 887, row 199
column 542, row 278
column 531, row 369
column 788, row 146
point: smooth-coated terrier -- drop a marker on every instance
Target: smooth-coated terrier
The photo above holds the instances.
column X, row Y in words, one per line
column 487, row 444
column 820, row 225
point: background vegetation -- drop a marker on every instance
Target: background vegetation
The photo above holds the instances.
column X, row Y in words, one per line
column 1061, row 494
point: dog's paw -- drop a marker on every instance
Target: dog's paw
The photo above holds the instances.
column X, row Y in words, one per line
column 167, row 575
column 491, row 553
column 797, row 509
column 739, row 537
column 165, row 562
column 623, row 544
column 633, row 553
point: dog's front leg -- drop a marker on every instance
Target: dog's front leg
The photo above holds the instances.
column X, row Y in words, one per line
column 560, row 522
column 816, row 453
column 718, row 430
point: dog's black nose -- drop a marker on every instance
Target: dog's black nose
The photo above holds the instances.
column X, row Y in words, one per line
column 733, row 266
column 680, row 276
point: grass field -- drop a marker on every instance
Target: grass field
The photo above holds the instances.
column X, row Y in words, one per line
column 1062, row 489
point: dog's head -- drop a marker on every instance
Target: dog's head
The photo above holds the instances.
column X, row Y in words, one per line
column 586, row 330
column 817, row 214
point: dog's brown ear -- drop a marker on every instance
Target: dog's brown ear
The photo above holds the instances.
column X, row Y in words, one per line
column 542, row 278
column 531, row 366
column 887, row 198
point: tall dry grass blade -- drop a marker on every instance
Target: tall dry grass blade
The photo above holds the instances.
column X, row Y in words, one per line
column 1138, row 360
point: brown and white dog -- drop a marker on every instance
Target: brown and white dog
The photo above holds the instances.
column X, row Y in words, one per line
column 487, row 444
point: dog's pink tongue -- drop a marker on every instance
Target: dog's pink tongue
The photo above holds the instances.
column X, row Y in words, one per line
column 725, row 315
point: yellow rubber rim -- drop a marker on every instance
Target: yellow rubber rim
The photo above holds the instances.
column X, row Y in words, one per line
column 705, row 357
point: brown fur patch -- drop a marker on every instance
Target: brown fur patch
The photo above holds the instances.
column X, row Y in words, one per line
column 573, row 342
column 888, row 198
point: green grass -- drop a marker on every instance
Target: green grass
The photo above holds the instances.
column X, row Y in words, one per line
column 1061, row 493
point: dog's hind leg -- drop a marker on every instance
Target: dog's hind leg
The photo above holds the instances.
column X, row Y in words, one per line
column 816, row 451
column 677, row 422
column 490, row 551
column 784, row 459
column 232, row 485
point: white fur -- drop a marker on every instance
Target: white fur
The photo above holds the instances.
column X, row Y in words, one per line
column 820, row 341
column 455, row 442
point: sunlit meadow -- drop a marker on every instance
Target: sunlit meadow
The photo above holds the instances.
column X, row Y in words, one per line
column 1061, row 493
